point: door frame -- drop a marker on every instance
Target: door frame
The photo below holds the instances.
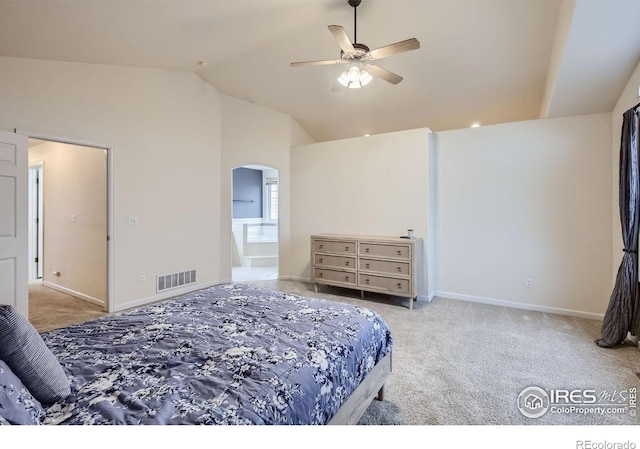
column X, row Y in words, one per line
column 36, row 242
column 109, row 306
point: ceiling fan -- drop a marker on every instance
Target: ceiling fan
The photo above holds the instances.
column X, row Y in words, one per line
column 360, row 58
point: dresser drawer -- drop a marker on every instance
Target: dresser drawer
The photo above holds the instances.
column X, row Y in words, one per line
column 343, row 277
column 385, row 266
column 385, row 250
column 399, row 286
column 336, row 247
column 335, row 261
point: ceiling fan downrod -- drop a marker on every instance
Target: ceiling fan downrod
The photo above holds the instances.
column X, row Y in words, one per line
column 355, row 4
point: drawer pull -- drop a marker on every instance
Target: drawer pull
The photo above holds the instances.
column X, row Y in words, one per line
column 399, row 252
column 320, row 260
column 399, row 285
column 366, row 281
column 399, row 269
column 346, row 278
column 320, row 246
column 367, row 266
column 346, row 264
column 320, row 274
column 346, row 248
column 367, row 250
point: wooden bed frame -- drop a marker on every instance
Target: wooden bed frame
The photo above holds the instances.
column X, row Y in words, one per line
column 371, row 387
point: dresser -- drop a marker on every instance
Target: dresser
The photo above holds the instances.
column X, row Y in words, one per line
column 389, row 265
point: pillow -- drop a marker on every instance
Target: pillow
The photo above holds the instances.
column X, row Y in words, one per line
column 17, row 406
column 25, row 352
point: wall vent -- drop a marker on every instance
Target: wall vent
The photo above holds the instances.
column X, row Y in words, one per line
column 175, row 280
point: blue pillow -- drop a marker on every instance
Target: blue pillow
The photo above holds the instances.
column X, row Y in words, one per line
column 24, row 351
column 17, row 405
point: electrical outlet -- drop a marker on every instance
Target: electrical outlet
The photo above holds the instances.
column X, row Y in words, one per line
column 528, row 283
column 142, row 279
column 133, row 220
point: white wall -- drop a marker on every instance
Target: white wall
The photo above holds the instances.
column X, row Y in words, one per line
column 526, row 200
column 75, row 218
column 253, row 134
column 375, row 185
column 164, row 128
column 529, row 199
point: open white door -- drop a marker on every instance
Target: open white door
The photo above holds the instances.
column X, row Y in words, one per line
column 14, row 207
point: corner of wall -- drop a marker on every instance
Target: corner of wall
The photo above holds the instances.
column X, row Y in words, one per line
column 432, row 210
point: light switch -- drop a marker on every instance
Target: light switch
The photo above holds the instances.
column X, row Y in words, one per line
column 133, row 220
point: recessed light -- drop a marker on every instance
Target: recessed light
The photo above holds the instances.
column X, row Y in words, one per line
column 203, row 63
column 366, row 135
column 475, row 125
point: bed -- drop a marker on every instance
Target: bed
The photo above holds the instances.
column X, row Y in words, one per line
column 229, row 354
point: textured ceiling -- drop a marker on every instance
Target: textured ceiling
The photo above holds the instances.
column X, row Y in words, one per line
column 487, row 61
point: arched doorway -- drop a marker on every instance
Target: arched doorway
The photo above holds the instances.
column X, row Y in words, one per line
column 254, row 225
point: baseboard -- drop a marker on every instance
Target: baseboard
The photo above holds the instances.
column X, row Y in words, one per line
column 427, row 298
column 168, row 294
column 74, row 293
column 294, row 278
column 519, row 305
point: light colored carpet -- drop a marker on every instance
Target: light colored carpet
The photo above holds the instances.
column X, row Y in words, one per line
column 458, row 363
column 50, row 309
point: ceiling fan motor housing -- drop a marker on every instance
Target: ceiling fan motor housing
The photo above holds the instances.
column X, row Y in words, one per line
column 360, row 51
column 354, row 3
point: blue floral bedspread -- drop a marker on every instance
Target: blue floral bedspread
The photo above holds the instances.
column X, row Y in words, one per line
column 229, row 354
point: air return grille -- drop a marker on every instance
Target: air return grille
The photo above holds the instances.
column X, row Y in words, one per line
column 174, row 280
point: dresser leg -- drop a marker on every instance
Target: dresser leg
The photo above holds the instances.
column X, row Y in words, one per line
column 315, row 287
column 410, row 303
column 361, row 294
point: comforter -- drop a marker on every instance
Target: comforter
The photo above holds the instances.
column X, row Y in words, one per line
column 229, row 354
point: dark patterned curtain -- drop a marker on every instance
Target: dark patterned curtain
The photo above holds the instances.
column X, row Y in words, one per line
column 622, row 313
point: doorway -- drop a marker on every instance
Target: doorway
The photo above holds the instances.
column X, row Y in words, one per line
column 69, row 222
column 36, row 231
column 255, row 231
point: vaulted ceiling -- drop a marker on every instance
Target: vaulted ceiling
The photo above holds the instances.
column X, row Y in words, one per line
column 485, row 61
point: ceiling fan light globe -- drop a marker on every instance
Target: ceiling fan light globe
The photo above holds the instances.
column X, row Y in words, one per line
column 353, row 74
column 343, row 79
column 365, row 77
column 355, row 78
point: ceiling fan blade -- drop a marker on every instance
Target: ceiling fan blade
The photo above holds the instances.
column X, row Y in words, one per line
column 343, row 40
column 384, row 74
column 398, row 47
column 326, row 62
